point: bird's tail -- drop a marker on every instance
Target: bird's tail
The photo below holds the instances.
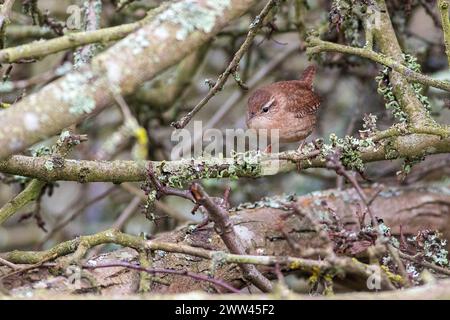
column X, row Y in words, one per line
column 307, row 77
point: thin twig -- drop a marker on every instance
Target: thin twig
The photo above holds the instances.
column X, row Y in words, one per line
column 27, row 268
column 9, row 264
column 5, row 16
column 315, row 45
column 92, row 22
column 425, row 264
column 334, row 163
column 159, row 205
column 254, row 28
column 30, row 193
column 444, row 6
column 428, row 6
column 139, row 244
column 224, row 227
column 69, row 218
column 127, row 213
column 193, row 275
column 40, row 49
column 33, row 190
column 163, row 190
column 395, row 254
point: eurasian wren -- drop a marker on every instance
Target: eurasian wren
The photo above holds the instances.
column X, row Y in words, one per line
column 289, row 106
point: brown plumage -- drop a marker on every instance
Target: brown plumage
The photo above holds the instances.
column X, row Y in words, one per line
column 289, row 106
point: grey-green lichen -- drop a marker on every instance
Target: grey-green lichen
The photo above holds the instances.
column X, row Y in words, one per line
column 350, row 149
column 369, row 125
column 390, row 150
column 411, row 63
column 139, row 42
column 63, row 69
column 41, row 151
column 218, row 260
column 56, row 162
column 242, row 164
column 191, row 15
column 432, row 246
column 49, row 165
column 277, row 202
column 345, row 15
column 386, row 90
column 80, row 101
column 65, row 134
column 6, row 86
column 413, row 273
column 81, row 58
column 85, row 54
column 407, row 165
column 150, row 205
column 64, row 143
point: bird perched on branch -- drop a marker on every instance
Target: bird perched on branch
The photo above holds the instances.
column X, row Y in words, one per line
column 289, row 106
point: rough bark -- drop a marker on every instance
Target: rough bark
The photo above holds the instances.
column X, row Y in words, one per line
column 175, row 30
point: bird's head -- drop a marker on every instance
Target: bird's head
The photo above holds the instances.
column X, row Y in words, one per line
column 261, row 106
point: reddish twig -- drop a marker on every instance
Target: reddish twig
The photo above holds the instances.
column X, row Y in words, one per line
column 334, row 163
column 185, row 273
column 224, row 227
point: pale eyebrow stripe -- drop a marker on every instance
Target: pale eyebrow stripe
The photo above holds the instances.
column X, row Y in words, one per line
column 268, row 103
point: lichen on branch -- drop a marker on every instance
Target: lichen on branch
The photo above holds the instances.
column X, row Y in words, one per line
column 126, row 65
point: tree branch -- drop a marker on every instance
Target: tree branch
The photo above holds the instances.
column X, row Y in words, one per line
column 250, row 164
column 5, row 16
column 386, row 38
column 225, row 228
column 171, row 34
column 444, row 6
column 34, row 187
column 266, row 244
column 315, row 45
column 39, row 49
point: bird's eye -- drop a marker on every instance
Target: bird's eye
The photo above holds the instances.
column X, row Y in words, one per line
column 265, row 108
